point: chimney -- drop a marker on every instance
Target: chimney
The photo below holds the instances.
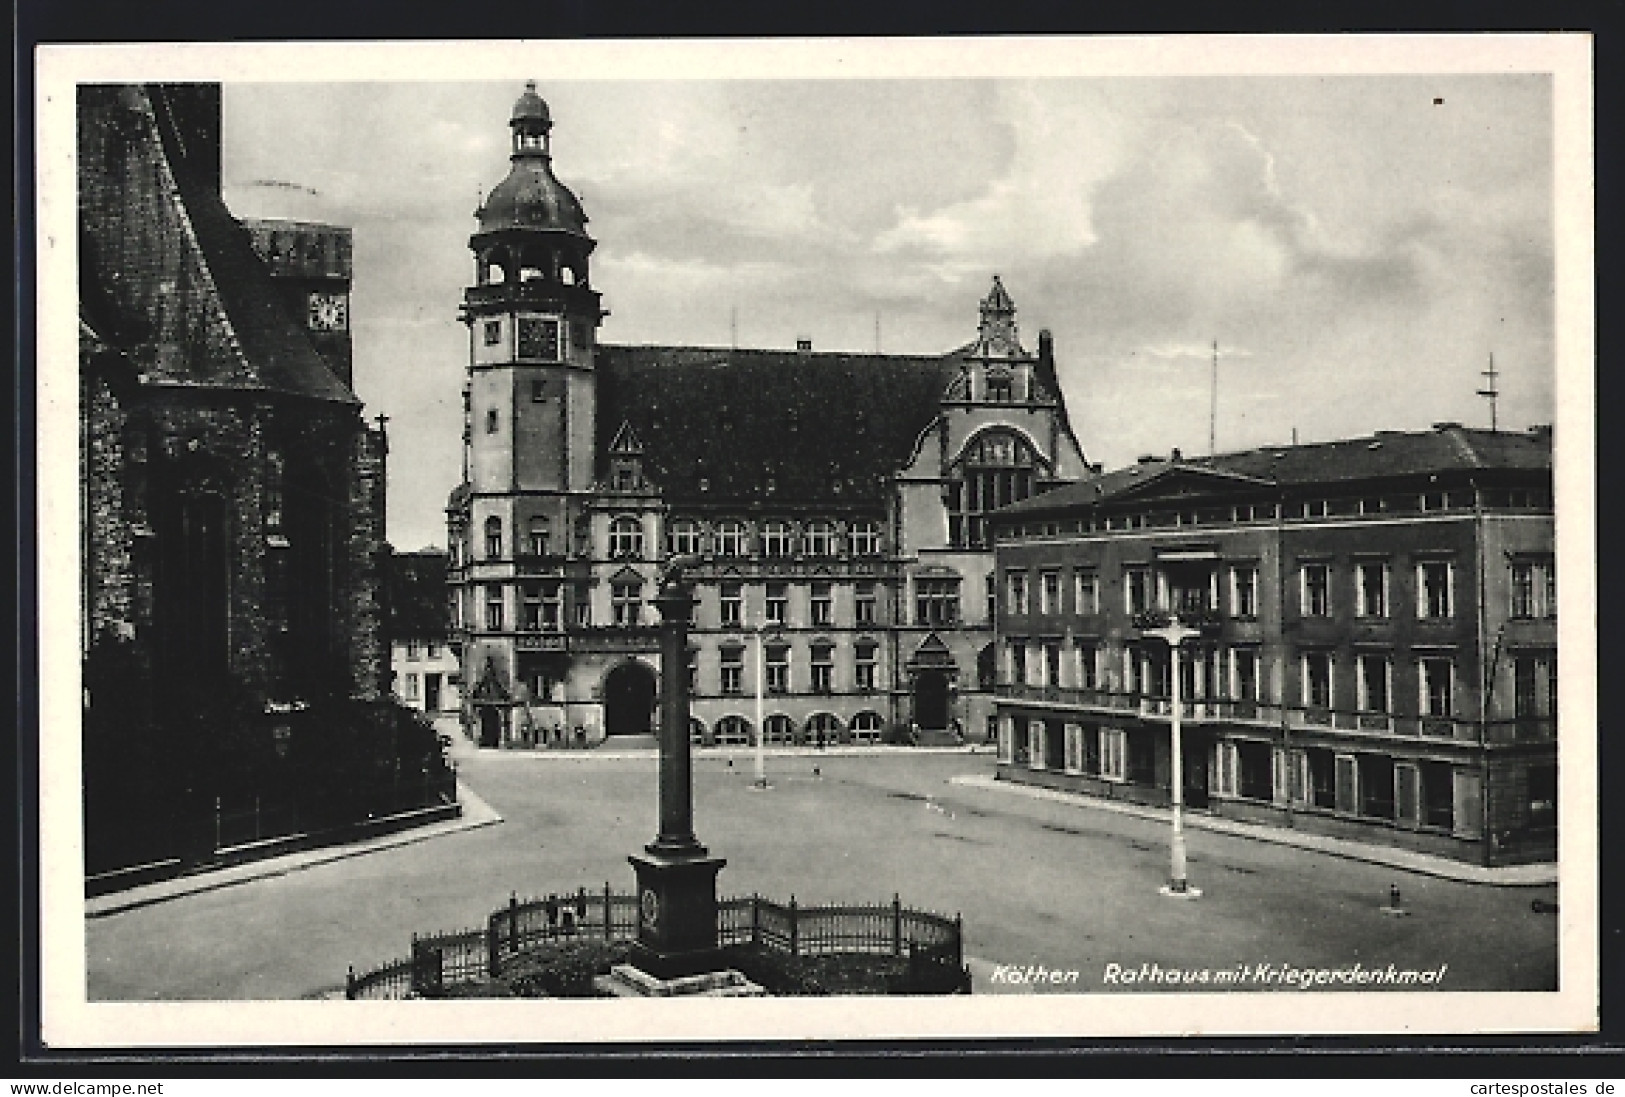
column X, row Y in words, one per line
column 1176, row 455
column 1447, row 426
column 1148, row 459
column 804, row 344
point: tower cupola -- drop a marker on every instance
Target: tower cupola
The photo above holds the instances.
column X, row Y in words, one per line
column 531, row 197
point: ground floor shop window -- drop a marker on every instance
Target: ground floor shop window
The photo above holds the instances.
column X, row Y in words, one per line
column 1054, row 745
column 1113, row 754
column 1543, row 796
column 1254, row 780
column 1142, row 757
column 1376, row 777
column 1320, row 783
column 1438, row 795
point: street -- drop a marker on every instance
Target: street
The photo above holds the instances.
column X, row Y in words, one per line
column 1038, row 882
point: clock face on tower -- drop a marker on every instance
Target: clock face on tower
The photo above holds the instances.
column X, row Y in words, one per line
column 329, row 312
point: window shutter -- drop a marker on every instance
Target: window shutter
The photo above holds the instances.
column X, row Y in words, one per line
column 1407, row 793
column 1467, row 803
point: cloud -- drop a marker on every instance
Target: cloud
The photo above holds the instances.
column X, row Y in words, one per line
column 1065, row 140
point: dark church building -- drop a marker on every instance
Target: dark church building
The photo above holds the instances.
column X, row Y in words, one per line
column 233, row 494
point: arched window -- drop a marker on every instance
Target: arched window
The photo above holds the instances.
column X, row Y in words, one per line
column 625, row 538
column 824, row 727
column 866, row 727
column 865, row 538
column 733, row 731
column 821, row 539
column 777, row 539
column 683, row 537
column 780, row 728
column 998, row 468
column 731, row 539
column 493, row 538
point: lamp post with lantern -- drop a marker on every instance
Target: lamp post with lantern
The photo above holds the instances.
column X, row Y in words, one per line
column 1174, row 634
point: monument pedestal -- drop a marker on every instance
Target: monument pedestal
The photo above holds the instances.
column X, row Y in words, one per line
column 677, row 912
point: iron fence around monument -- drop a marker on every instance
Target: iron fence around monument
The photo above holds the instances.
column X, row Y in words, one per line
column 931, row 944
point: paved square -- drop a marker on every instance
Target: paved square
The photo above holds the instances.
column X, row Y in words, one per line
column 1060, row 885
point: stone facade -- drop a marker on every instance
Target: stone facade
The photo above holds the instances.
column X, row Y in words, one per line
column 233, row 496
column 1376, row 645
column 831, row 503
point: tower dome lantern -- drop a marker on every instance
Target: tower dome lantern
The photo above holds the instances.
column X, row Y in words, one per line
column 531, row 124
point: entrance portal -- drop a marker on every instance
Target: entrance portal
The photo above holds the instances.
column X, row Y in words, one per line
column 931, row 700
column 490, row 726
column 630, row 700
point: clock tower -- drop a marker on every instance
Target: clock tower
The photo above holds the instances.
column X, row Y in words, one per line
column 532, row 318
column 529, row 429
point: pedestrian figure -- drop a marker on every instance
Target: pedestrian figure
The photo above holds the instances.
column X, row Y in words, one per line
column 581, row 736
column 552, row 914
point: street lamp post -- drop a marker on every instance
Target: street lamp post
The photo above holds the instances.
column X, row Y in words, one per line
column 761, row 729
column 1174, row 634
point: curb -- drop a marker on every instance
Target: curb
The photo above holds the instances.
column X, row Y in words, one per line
column 476, row 813
column 1533, row 875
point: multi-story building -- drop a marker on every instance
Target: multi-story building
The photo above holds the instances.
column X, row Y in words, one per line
column 833, row 503
column 1377, row 656
column 233, row 496
column 425, row 674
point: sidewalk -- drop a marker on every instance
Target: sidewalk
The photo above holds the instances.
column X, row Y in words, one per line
column 740, row 755
column 1424, row 863
column 476, row 813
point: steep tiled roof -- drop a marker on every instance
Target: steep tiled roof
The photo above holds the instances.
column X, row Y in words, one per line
column 824, row 428
column 281, row 358
column 1387, row 455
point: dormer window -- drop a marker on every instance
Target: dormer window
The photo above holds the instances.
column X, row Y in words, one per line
column 999, row 388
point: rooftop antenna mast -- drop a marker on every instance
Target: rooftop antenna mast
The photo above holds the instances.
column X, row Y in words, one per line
column 1213, row 406
column 877, row 332
column 1489, row 391
column 733, row 327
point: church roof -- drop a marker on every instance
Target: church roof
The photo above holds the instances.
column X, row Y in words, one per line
column 722, row 426
column 272, row 353
column 282, row 356
column 1387, row 455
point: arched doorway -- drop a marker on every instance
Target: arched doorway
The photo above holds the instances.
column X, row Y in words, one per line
column 931, row 699
column 629, row 700
column 490, row 726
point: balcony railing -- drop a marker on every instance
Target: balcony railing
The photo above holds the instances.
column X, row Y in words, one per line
column 1207, row 620
column 1308, row 718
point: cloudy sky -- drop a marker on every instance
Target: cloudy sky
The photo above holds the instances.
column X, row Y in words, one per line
column 1357, row 245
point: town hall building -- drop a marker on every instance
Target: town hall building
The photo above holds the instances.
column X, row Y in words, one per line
column 830, row 505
